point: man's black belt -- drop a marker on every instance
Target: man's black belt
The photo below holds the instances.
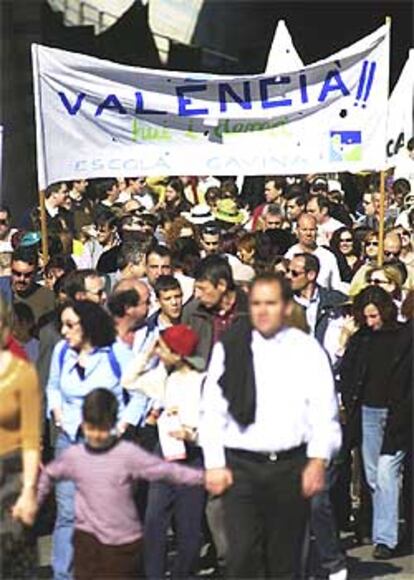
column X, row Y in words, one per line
column 268, row 456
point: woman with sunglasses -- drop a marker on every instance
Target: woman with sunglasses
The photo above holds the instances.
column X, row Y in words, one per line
column 375, row 390
column 87, row 358
column 369, row 258
column 347, row 250
column 391, row 279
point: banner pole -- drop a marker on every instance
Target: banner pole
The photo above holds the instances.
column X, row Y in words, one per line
column 43, row 227
column 381, row 230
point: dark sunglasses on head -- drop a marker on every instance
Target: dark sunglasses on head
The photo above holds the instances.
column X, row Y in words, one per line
column 25, row 275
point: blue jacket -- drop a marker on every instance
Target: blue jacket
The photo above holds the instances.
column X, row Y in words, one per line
column 67, row 390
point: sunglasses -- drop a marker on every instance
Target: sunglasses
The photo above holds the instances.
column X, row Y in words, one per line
column 389, row 254
column 346, row 240
column 371, row 244
column 25, row 275
column 4, row 222
column 295, row 273
column 377, row 281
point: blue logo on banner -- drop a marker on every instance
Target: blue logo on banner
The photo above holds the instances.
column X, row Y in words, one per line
column 345, row 146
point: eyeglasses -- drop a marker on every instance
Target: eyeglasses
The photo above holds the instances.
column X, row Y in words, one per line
column 295, row 273
column 389, row 254
column 25, row 275
column 346, row 240
column 377, row 281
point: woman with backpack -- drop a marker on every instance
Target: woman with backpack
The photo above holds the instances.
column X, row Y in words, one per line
column 87, row 358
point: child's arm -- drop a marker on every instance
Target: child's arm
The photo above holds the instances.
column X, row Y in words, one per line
column 152, row 468
column 60, row 468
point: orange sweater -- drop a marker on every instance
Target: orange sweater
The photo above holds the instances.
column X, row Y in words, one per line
column 20, row 407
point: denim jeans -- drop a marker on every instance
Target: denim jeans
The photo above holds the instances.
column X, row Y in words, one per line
column 383, row 476
column 324, row 526
column 62, row 551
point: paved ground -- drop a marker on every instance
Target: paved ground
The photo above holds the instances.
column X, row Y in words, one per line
column 361, row 564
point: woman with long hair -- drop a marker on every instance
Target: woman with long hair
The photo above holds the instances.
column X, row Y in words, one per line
column 175, row 200
column 390, row 277
column 20, row 417
column 347, row 250
column 375, row 394
column 87, row 358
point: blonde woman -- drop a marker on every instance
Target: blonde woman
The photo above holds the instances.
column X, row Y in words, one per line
column 20, row 412
column 391, row 278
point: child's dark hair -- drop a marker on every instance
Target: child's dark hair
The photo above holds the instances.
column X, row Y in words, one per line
column 100, row 409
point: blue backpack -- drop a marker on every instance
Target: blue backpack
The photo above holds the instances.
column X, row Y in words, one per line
column 115, row 366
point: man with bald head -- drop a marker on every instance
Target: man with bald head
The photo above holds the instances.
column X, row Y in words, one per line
column 144, row 296
column 328, row 276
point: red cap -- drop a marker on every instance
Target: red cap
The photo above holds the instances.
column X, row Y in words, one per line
column 181, row 339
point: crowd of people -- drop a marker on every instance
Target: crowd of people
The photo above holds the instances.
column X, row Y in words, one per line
column 218, row 363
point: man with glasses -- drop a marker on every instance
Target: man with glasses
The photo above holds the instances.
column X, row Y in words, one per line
column 392, row 255
column 324, row 316
column 24, row 287
column 85, row 285
column 329, row 276
column 322, row 306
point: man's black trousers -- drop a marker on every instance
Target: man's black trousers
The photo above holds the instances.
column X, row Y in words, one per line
column 265, row 516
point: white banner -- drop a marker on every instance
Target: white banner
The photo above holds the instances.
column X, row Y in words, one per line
column 95, row 118
column 283, row 55
column 401, row 111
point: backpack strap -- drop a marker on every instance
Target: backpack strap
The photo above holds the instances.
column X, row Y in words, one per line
column 62, row 355
column 113, row 361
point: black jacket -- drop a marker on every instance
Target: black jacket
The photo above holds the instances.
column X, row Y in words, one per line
column 352, row 379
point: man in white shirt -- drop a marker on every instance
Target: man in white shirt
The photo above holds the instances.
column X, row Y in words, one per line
column 329, row 276
column 319, row 207
column 268, row 427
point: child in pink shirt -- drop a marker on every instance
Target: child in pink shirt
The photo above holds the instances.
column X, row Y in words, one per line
column 108, row 532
